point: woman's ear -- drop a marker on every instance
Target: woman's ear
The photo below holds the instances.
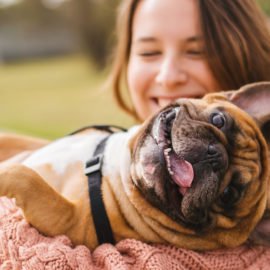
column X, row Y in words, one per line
column 255, row 100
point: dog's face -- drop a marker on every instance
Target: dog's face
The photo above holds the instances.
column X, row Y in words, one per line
column 204, row 164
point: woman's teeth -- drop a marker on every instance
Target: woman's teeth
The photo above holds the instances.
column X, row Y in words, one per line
column 162, row 102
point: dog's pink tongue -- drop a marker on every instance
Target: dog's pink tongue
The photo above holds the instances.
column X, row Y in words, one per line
column 183, row 173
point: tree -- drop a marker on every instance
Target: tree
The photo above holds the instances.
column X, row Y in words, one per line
column 95, row 22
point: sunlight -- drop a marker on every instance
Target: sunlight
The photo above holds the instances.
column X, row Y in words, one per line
column 53, row 3
column 6, row 3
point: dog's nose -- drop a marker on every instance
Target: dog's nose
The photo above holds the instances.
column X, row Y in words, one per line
column 212, row 150
column 216, row 156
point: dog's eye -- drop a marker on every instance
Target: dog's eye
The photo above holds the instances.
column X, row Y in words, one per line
column 229, row 196
column 218, row 120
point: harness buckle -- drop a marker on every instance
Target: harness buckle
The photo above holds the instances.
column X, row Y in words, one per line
column 94, row 164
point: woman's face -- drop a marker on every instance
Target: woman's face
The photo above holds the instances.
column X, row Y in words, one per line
column 167, row 58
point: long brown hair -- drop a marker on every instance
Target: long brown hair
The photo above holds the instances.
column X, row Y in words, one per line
column 237, row 42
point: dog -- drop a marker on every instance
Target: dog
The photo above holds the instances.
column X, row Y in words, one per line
column 195, row 175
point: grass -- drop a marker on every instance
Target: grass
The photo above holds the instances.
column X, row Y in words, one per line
column 52, row 97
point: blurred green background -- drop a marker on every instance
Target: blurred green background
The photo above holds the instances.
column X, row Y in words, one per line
column 53, row 55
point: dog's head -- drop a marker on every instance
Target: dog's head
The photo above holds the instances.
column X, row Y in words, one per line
column 204, row 164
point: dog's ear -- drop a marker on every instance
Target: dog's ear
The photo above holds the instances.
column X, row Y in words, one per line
column 255, row 100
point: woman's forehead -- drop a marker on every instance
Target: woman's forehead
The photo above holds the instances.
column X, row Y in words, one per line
column 172, row 18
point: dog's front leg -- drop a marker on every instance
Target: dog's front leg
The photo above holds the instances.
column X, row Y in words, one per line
column 43, row 207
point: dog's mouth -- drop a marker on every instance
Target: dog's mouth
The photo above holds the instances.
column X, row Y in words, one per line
column 179, row 164
column 180, row 170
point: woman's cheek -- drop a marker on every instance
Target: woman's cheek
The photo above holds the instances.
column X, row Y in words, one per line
column 139, row 85
column 137, row 76
column 204, row 76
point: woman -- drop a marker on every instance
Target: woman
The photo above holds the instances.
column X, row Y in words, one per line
column 186, row 48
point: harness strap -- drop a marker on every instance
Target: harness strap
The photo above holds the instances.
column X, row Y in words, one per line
column 106, row 128
column 100, row 218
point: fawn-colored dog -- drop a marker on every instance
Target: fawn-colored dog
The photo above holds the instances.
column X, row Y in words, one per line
column 195, row 175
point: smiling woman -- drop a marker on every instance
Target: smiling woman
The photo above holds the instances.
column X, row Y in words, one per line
column 169, row 60
column 186, row 48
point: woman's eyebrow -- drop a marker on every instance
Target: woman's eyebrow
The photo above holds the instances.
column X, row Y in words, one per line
column 145, row 39
column 194, row 39
column 153, row 39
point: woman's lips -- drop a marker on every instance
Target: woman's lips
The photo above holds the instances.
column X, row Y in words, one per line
column 164, row 101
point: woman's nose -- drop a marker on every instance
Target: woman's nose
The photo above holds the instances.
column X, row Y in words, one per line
column 170, row 74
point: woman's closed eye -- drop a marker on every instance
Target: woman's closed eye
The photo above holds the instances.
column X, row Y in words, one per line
column 150, row 53
column 194, row 48
column 195, row 53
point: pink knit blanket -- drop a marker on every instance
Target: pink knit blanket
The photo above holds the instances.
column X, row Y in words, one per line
column 23, row 247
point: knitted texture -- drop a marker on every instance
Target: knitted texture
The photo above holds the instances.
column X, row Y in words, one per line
column 23, row 247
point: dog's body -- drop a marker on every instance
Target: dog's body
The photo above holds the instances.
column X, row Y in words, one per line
column 196, row 176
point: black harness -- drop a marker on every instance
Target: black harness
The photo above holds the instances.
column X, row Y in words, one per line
column 93, row 172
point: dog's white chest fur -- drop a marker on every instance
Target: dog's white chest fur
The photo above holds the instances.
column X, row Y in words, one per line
column 65, row 151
